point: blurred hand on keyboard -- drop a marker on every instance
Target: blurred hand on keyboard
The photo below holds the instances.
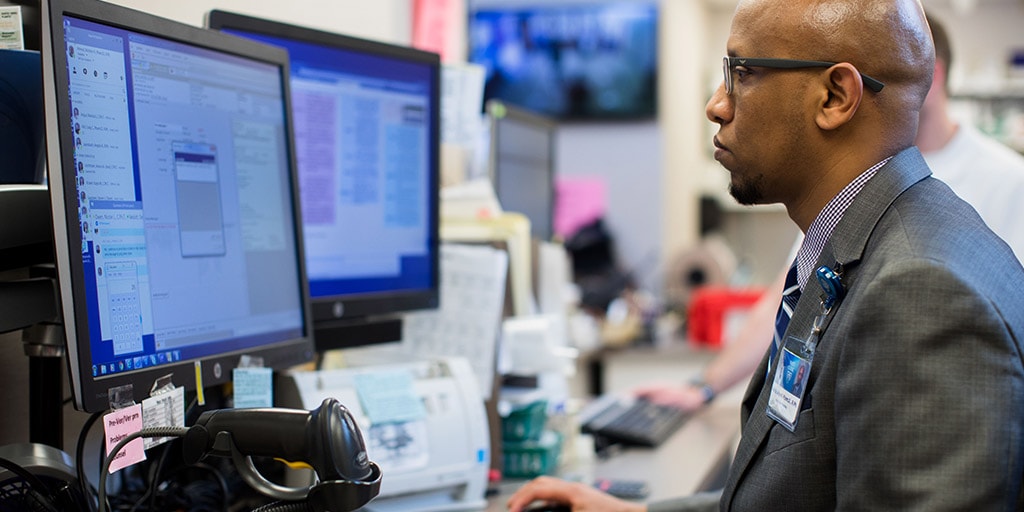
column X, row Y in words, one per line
column 684, row 397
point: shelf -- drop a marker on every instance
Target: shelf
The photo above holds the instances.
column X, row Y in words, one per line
column 1015, row 94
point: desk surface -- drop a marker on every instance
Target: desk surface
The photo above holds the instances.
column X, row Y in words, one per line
column 681, row 464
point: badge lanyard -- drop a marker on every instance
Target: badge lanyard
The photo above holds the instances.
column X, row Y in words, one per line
column 797, row 355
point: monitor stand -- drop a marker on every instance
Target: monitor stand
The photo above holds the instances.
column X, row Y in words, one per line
column 338, row 334
column 31, row 305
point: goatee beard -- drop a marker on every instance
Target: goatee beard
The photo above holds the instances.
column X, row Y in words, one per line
column 748, row 193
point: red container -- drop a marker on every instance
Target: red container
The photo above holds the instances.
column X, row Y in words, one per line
column 713, row 309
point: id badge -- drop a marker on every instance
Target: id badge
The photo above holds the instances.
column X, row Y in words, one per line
column 790, row 381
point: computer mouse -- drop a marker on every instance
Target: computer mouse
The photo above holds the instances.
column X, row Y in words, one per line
column 549, row 507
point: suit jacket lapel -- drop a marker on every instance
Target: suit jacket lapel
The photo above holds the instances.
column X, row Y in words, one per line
column 754, row 388
column 756, row 423
column 845, row 247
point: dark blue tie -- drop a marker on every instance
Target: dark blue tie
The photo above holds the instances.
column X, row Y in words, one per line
column 790, row 296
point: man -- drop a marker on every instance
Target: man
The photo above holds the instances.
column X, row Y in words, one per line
column 915, row 395
column 983, row 172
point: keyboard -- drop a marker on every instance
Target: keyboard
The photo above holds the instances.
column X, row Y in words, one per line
column 618, row 420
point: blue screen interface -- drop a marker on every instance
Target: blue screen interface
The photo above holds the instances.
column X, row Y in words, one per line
column 182, row 176
column 364, row 145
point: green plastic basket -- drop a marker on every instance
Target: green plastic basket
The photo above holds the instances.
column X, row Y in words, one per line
column 525, row 423
column 529, row 459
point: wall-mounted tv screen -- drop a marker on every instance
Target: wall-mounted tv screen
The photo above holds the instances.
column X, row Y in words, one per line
column 569, row 61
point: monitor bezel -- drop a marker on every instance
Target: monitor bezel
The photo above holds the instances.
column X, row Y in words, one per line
column 331, row 312
column 91, row 394
column 497, row 111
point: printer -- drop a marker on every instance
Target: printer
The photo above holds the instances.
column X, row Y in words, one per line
column 424, row 424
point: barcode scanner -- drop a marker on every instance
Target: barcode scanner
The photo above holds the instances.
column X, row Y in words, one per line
column 327, row 439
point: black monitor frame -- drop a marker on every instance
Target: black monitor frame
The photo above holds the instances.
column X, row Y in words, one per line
column 351, row 320
column 499, row 114
column 92, row 394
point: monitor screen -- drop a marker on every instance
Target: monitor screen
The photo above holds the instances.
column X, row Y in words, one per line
column 576, row 60
column 367, row 119
column 174, row 199
column 523, row 165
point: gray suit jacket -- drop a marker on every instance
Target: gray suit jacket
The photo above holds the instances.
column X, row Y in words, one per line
column 916, row 394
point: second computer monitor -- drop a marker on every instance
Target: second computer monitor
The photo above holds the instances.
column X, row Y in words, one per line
column 522, row 164
column 367, row 123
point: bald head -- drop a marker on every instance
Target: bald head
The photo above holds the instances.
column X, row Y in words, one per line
column 885, row 39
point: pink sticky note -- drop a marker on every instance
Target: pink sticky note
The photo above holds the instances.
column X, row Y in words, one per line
column 117, row 426
column 580, row 201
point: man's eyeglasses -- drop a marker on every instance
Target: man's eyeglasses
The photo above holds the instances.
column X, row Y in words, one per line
column 728, row 63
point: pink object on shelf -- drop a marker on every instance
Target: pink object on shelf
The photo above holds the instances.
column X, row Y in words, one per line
column 579, row 200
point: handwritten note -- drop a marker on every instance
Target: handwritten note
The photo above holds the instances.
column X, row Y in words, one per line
column 388, row 397
column 253, row 387
column 119, row 425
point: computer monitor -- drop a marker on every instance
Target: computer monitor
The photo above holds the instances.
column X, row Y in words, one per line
column 522, row 164
column 367, row 117
column 175, row 204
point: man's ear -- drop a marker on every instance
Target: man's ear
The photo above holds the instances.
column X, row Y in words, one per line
column 845, row 90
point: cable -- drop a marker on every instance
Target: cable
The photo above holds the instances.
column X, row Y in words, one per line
column 87, row 491
column 146, row 432
column 199, row 492
column 154, row 477
column 38, row 490
column 153, row 481
column 150, row 482
column 149, row 492
column 221, row 482
column 159, row 468
column 280, row 506
column 102, row 450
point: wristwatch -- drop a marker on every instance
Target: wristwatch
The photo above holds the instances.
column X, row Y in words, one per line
column 705, row 389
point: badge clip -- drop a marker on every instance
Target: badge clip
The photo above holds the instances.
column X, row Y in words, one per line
column 832, row 285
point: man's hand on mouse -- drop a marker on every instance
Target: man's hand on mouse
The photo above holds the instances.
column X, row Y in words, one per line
column 580, row 497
